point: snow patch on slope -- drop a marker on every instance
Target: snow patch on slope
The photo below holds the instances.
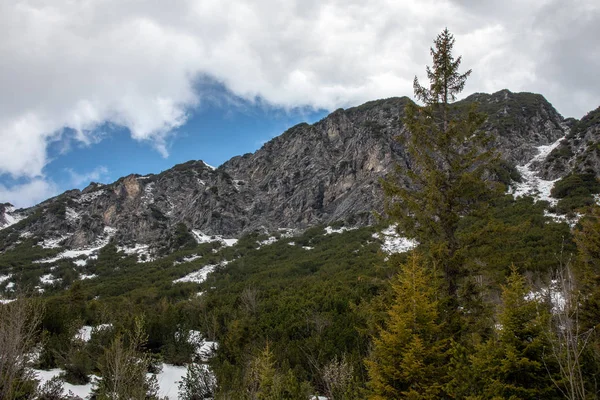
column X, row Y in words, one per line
column 90, row 252
column 203, row 238
column 72, row 215
column 83, row 391
column 148, row 195
column 329, row 230
column 393, row 242
column 11, row 217
column 49, row 279
column 200, row 275
column 191, row 258
column 85, row 332
column 141, row 250
column 533, row 185
column 88, row 197
column 53, row 243
column 553, row 293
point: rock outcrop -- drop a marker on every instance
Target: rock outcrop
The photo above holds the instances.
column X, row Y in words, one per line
column 580, row 150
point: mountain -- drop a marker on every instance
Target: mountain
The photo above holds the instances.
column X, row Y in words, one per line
column 311, row 174
column 579, row 151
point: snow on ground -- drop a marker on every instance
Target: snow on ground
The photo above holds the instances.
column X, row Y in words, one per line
column 286, row 232
column 89, row 252
column 393, row 242
column 205, row 349
column 141, row 250
column 5, row 277
column 81, row 262
column 532, row 185
column 10, row 286
column 209, row 166
column 11, row 217
column 200, row 275
column 87, row 197
column 552, row 293
column 54, row 243
column 191, row 258
column 6, row 301
column 49, row 279
column 148, row 193
column 203, row 238
column 168, row 381
column 72, row 215
column 169, row 378
column 307, row 247
column 329, row 230
column 83, row 277
column 82, row 391
column 268, row 241
column 85, row 332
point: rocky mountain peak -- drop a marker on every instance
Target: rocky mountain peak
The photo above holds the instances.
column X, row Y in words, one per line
column 519, row 122
column 311, row 174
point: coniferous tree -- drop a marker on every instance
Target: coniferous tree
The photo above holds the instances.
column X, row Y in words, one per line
column 584, row 313
column 515, row 364
column 448, row 164
column 408, row 356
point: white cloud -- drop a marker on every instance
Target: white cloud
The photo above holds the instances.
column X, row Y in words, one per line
column 27, row 194
column 134, row 62
column 96, row 175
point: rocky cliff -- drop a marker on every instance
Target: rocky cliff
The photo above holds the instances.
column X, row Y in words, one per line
column 310, row 174
column 579, row 151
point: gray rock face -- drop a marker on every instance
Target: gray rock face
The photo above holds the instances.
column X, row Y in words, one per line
column 579, row 151
column 5, row 209
column 311, row 174
column 519, row 122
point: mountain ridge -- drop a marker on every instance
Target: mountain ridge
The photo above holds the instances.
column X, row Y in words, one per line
column 310, row 174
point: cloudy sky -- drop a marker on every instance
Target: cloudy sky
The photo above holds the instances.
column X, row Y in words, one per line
column 97, row 89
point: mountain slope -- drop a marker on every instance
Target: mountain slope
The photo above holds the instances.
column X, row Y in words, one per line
column 579, row 151
column 310, row 174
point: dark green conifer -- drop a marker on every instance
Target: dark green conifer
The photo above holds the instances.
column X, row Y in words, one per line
column 449, row 160
column 516, row 364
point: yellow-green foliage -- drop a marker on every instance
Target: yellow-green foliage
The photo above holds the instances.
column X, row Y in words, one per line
column 408, row 353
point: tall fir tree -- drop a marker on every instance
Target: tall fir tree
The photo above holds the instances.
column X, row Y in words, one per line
column 449, row 159
column 408, row 356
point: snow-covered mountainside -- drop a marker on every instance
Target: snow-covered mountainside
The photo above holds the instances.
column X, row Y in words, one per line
column 8, row 215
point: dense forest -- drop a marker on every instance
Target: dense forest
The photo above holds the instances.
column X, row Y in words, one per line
column 497, row 298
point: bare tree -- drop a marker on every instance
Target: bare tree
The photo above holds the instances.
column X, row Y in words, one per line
column 568, row 340
column 249, row 299
column 338, row 376
column 123, row 368
column 19, row 323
